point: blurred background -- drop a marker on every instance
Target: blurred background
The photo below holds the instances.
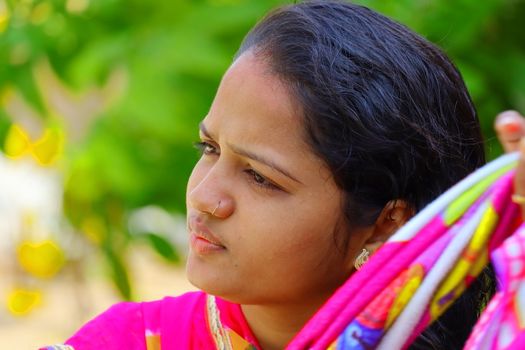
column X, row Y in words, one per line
column 99, row 106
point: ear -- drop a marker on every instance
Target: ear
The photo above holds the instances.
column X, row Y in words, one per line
column 394, row 215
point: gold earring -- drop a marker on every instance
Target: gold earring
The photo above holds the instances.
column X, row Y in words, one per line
column 217, row 207
column 361, row 259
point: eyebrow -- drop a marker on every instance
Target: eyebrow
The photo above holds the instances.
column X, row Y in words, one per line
column 251, row 155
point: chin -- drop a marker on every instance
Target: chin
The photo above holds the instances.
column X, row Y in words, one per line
column 205, row 276
column 214, row 281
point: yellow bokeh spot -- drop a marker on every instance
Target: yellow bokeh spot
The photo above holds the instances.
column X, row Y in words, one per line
column 17, row 142
column 44, row 151
column 48, row 147
column 20, row 302
column 43, row 259
column 4, row 16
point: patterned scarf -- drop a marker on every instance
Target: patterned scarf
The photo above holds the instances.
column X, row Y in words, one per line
column 427, row 265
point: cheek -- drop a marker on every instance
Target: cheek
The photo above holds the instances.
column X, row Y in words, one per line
column 300, row 252
column 292, row 241
column 293, row 222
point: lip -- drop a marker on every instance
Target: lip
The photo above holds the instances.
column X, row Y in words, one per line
column 202, row 240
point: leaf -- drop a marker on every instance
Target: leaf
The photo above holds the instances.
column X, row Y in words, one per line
column 25, row 83
column 5, row 126
column 119, row 274
column 162, row 246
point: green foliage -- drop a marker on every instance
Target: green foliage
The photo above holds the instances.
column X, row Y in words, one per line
column 484, row 39
column 119, row 273
column 170, row 56
column 4, row 127
column 162, row 246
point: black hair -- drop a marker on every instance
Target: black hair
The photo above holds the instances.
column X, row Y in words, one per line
column 386, row 110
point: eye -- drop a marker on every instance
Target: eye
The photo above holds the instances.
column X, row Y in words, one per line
column 260, row 180
column 206, row 148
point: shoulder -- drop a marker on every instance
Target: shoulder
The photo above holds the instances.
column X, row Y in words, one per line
column 121, row 326
column 125, row 325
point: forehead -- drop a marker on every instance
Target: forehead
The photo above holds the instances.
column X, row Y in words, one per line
column 254, row 110
column 252, row 103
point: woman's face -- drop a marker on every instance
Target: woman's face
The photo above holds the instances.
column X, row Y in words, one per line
column 263, row 210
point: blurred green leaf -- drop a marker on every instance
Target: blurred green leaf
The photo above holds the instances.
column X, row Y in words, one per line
column 5, row 123
column 162, row 246
column 119, row 273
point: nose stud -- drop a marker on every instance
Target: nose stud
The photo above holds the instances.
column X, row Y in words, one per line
column 217, row 207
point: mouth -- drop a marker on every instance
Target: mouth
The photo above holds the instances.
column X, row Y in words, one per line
column 202, row 240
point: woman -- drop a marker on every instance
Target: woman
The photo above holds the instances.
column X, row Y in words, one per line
column 331, row 128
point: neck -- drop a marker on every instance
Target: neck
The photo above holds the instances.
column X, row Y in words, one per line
column 275, row 325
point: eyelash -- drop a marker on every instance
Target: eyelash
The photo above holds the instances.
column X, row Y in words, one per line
column 206, row 148
column 255, row 178
column 203, row 148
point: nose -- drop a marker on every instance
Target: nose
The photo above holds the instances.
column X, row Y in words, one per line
column 209, row 194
